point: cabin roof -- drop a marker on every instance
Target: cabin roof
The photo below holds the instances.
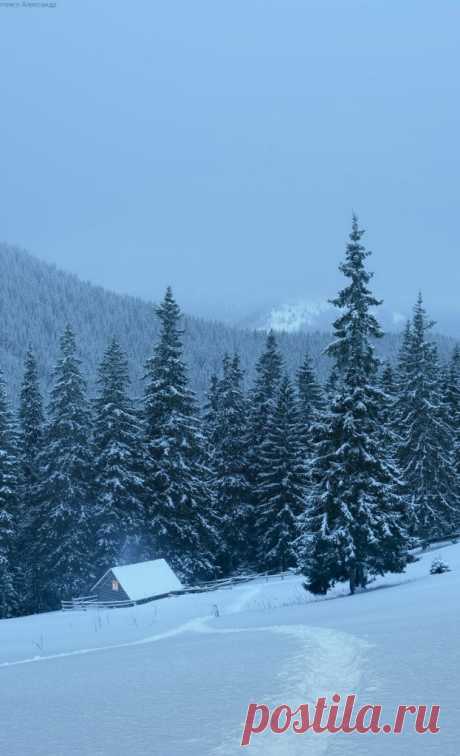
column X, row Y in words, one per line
column 145, row 579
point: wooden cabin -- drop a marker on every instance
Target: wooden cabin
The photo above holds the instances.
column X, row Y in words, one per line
column 138, row 583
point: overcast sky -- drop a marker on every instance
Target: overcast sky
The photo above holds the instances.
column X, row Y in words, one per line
column 221, row 146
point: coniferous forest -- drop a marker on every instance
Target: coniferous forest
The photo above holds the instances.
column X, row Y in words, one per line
column 338, row 478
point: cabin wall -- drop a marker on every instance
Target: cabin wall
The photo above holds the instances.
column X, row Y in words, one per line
column 104, row 591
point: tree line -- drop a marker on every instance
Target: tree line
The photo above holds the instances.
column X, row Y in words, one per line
column 339, row 480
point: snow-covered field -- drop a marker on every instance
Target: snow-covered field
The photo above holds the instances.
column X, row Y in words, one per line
column 172, row 679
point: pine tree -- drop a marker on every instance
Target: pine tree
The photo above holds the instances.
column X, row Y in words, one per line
column 31, row 440
column 67, row 514
column 281, row 484
column 8, row 507
column 353, row 525
column 180, row 516
column 427, row 445
column 230, row 481
column 118, row 482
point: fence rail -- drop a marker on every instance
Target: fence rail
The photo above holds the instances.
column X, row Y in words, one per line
column 83, row 603
column 91, row 602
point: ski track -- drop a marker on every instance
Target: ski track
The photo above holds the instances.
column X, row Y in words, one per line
column 328, row 662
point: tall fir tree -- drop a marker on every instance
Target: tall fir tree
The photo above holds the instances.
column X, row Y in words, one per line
column 31, row 441
column 8, row 507
column 282, row 484
column 353, row 527
column 117, row 464
column 65, row 533
column 180, row 516
column 427, row 439
column 230, row 467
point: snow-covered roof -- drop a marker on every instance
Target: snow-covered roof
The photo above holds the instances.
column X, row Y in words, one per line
column 146, row 579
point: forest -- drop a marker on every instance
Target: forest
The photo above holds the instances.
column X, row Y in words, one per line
column 338, row 475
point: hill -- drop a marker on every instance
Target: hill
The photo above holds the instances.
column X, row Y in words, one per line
column 37, row 300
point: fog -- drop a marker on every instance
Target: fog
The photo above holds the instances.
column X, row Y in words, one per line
column 222, row 146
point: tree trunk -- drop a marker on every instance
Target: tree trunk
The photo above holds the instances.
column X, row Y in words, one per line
column 352, row 580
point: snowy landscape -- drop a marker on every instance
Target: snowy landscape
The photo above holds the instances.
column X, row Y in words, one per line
column 229, row 378
column 268, row 546
column 171, row 679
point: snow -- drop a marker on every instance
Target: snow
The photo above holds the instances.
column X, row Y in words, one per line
column 292, row 317
column 172, row 679
column 146, row 579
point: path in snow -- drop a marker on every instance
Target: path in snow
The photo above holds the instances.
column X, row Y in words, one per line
column 173, row 680
column 87, row 702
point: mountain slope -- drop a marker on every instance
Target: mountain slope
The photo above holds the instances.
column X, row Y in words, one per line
column 37, row 300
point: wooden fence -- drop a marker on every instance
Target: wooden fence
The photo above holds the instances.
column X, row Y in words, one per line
column 91, row 602
column 84, row 603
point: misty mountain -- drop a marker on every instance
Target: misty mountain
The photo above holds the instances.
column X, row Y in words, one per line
column 37, row 300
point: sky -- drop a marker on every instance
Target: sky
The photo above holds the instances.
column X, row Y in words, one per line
column 221, row 147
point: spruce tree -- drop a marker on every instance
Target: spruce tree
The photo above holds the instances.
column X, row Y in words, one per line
column 311, row 405
column 262, row 401
column 452, row 403
column 353, row 527
column 388, row 380
column 8, row 507
column 117, row 465
column 65, row 537
column 281, row 484
column 332, row 384
column 31, row 440
column 390, row 437
column 181, row 521
column 211, row 426
column 230, row 467
column 427, row 438
column 31, row 422
column 268, row 378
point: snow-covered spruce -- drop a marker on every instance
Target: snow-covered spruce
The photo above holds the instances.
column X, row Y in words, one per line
column 181, row 522
column 64, row 545
column 311, row 403
column 118, row 485
column 282, row 484
column 451, row 393
column 31, row 444
column 227, row 424
column 353, row 526
column 262, row 401
column 8, row 506
column 438, row 567
column 428, row 435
